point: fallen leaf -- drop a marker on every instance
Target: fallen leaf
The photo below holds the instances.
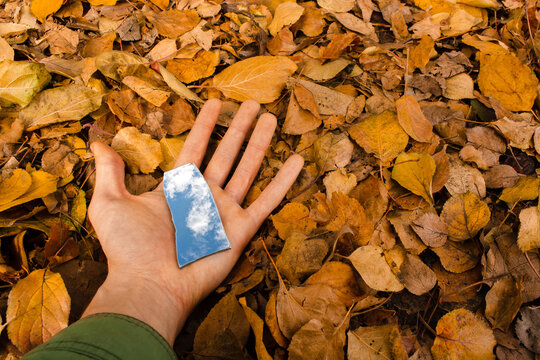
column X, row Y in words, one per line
column 300, row 257
column 14, row 186
column 140, row 152
column 316, row 70
column 59, row 161
column 336, row 5
column 260, row 78
column 442, row 170
column 6, row 51
column 42, row 185
column 293, row 217
column 257, row 325
column 380, row 134
column 38, row 308
column 420, row 54
column 318, row 339
column 504, row 77
column 287, row 13
column 338, row 45
column 127, row 107
column 370, row 262
column 338, row 181
column 463, row 335
column 431, row 229
column 501, row 176
column 503, row 301
column 417, row 277
column 519, row 133
column 177, row 86
column 340, row 278
column 525, row 189
column 375, row 343
column 527, row 328
column 147, row 90
column 412, row 119
column 459, row 87
column 270, row 318
column 465, row 216
column 43, row 8
column 298, row 120
column 401, row 221
column 173, row 23
column 356, row 24
column 329, row 102
column 63, row 103
column 483, row 158
column 189, row 70
column 463, row 178
column 415, row 172
column 20, row 81
column 170, row 148
column 458, row 257
column 333, row 151
column 224, row 331
column 529, row 229
column 117, row 64
column 458, row 287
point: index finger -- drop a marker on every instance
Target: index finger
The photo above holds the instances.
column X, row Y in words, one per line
column 195, row 145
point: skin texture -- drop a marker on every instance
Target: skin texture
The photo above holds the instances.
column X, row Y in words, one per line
column 137, row 234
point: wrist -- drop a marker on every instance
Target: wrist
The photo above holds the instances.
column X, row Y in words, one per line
column 143, row 298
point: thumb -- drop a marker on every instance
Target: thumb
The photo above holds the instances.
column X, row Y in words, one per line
column 109, row 171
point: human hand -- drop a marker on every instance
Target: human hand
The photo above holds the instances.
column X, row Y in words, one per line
column 138, row 237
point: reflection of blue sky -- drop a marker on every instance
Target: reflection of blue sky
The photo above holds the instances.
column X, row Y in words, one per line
column 199, row 231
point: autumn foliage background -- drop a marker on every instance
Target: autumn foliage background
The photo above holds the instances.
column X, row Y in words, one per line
column 413, row 229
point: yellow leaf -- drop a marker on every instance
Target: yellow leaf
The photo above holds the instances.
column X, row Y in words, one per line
column 117, row 64
column 162, row 4
column 177, row 86
column 458, row 257
column 486, row 4
column 102, row 2
column 257, row 324
column 485, row 47
column 77, row 212
column 14, row 186
column 190, row 70
column 147, row 90
column 504, row 77
column 465, row 215
column 43, row 184
column 420, row 54
column 380, row 134
column 170, row 148
column 286, row 14
column 294, row 217
column 503, row 301
column 20, row 81
column 525, row 189
column 43, row 8
column 139, row 151
column 375, row 343
column 38, row 308
column 371, row 264
column 260, row 78
column 463, row 335
column 63, row 103
column 412, row 119
column 529, row 229
column 415, row 172
column 336, row 5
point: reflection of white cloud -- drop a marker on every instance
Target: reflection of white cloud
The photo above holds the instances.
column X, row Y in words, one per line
column 205, row 234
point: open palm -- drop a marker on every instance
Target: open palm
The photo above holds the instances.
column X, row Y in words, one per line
column 137, row 233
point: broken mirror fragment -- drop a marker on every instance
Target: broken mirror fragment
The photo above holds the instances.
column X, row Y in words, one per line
column 199, row 230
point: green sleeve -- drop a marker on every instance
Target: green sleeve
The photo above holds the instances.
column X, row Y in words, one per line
column 104, row 337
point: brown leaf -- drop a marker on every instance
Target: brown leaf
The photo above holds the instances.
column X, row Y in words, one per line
column 417, row 276
column 415, row 172
column 318, row 339
column 412, row 119
column 293, row 217
column 370, row 262
column 431, row 229
column 529, row 229
column 501, row 176
column 464, row 178
column 375, row 343
column 527, row 328
column 126, row 106
column 300, row 257
column 333, row 151
column 189, row 70
column 503, row 301
column 147, row 90
column 420, row 54
column 458, row 287
column 38, row 308
column 299, row 121
column 173, row 23
column 257, row 324
column 458, row 257
column 340, row 278
column 139, row 151
column 59, row 160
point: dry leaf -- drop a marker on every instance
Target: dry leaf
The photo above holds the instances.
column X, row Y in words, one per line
column 421, row 53
column 127, row 107
column 415, row 172
column 333, row 151
column 117, row 64
column 316, row 70
column 356, row 24
column 38, row 308
column 139, row 151
column 463, row 335
column 503, row 301
column 431, row 229
column 380, row 134
column 370, row 262
column 339, row 181
column 260, row 78
column 177, row 86
column 412, row 119
column 336, row 5
column 14, row 186
column 170, row 148
column 417, row 276
column 43, row 8
column 63, row 103
column 527, row 328
column 340, row 278
column 529, row 229
column 59, row 161
column 501, row 176
column 329, row 102
column 287, row 13
column 525, row 189
column 300, row 257
column 465, row 216
column 42, row 185
column 318, row 339
column 519, row 133
column 298, row 120
column 20, row 81
column 189, row 70
column 147, row 90
column 465, row 178
column 375, row 343
column 459, row 87
column 293, row 217
column 173, row 23
column 257, row 324
column 442, row 170
column 6, row 51
column 504, row 77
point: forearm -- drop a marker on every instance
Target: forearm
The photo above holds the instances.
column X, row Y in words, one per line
column 143, row 299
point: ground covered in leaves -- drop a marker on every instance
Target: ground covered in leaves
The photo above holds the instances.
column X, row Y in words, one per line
column 413, row 229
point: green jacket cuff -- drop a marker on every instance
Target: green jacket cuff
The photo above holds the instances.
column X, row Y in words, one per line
column 103, row 337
